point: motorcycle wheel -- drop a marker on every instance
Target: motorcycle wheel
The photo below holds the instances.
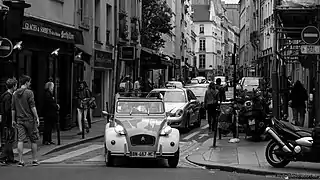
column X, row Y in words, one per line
column 278, row 162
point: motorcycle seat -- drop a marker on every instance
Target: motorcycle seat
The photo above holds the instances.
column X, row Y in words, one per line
column 300, row 130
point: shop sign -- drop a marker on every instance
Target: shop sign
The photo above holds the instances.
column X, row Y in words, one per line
column 6, row 47
column 127, row 53
column 103, row 59
column 50, row 30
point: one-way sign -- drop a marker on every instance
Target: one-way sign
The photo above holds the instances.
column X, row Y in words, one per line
column 310, row 35
column 6, row 47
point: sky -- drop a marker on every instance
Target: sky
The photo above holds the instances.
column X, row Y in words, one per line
column 231, row 1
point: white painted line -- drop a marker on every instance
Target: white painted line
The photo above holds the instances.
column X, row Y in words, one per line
column 72, row 154
column 191, row 135
column 25, row 151
column 205, row 127
column 99, row 158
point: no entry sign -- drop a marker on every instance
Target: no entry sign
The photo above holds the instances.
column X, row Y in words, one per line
column 6, row 47
column 310, row 35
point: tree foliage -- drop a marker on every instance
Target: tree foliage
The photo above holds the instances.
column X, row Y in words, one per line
column 156, row 21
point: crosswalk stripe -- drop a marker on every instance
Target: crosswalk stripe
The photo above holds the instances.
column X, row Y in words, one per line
column 72, row 154
column 25, row 151
column 191, row 135
column 206, row 126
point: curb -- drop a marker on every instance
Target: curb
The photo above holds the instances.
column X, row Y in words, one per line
column 71, row 144
column 253, row 170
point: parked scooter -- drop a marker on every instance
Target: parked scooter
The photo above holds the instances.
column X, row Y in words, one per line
column 253, row 115
column 291, row 143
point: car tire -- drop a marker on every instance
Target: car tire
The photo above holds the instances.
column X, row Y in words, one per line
column 174, row 161
column 109, row 160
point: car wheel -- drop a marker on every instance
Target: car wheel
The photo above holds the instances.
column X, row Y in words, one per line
column 174, row 161
column 109, row 160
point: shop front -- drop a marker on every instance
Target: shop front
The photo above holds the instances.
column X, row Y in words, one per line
column 102, row 81
column 47, row 54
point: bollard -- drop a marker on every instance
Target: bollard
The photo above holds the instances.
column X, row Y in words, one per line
column 58, row 128
column 82, row 123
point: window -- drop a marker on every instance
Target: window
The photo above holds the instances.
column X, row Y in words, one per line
column 202, row 44
column 202, row 61
column 201, row 28
column 133, row 8
column 83, row 14
column 122, row 5
column 108, row 23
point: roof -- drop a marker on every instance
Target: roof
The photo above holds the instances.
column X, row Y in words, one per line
column 201, row 13
column 169, row 89
column 135, row 99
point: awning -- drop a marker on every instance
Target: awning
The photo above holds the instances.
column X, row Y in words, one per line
column 150, row 59
column 85, row 55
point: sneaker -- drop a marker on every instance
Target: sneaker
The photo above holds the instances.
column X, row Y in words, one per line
column 3, row 163
column 35, row 163
column 21, row 164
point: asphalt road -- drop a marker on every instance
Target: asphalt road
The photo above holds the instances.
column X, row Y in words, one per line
column 80, row 172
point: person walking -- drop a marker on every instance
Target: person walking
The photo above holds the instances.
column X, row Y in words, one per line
column 211, row 99
column 221, row 89
column 25, row 118
column 83, row 97
column 137, row 86
column 297, row 101
column 8, row 132
column 50, row 113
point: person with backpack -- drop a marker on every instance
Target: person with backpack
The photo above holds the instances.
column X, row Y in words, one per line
column 25, row 118
column 211, row 100
column 8, row 132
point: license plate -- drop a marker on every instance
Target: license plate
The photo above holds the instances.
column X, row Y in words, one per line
column 142, row 154
column 252, row 122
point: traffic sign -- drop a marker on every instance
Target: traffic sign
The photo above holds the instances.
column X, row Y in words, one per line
column 6, row 47
column 310, row 35
column 310, row 49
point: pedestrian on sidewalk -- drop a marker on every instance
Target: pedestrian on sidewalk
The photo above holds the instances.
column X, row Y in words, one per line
column 83, row 97
column 25, row 118
column 211, row 99
column 50, row 113
column 298, row 98
column 8, row 132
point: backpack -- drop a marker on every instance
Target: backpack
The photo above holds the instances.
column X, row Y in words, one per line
column 2, row 103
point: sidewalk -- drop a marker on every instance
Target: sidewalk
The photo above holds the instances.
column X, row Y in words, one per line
column 69, row 138
column 247, row 157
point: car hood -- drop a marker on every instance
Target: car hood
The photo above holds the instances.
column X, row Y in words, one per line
column 138, row 125
column 173, row 107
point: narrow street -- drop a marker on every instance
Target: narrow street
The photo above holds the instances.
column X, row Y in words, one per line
column 86, row 161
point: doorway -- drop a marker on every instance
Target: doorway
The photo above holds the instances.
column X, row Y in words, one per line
column 97, row 92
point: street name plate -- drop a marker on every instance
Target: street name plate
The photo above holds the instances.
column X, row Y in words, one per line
column 310, row 49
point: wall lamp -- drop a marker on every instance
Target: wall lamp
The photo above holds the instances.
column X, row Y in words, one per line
column 55, row 52
column 18, row 45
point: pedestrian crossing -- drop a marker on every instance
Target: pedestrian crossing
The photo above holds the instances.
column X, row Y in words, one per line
column 88, row 155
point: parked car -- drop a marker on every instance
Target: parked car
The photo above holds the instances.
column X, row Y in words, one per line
column 181, row 105
column 199, row 90
column 177, row 84
column 249, row 83
column 140, row 129
column 200, row 79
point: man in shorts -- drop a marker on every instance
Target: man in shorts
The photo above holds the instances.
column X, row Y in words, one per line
column 25, row 118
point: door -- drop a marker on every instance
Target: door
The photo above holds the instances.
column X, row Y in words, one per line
column 97, row 89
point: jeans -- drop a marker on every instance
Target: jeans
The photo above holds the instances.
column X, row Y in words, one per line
column 79, row 111
column 7, row 149
column 298, row 116
column 212, row 116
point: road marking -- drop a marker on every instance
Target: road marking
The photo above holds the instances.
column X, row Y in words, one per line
column 191, row 135
column 202, row 135
column 206, row 126
column 72, row 154
column 25, row 151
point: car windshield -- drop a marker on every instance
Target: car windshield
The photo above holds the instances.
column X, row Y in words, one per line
column 170, row 96
column 140, row 107
column 251, row 82
column 198, row 91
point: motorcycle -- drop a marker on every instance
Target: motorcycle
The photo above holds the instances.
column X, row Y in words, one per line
column 253, row 115
column 291, row 143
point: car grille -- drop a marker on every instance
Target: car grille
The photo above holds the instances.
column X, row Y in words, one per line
column 142, row 139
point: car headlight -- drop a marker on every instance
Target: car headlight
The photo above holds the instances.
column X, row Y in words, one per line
column 178, row 113
column 166, row 131
column 119, row 129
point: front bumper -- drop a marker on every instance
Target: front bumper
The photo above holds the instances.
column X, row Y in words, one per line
column 117, row 145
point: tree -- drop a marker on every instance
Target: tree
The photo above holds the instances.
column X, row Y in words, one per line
column 156, row 21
